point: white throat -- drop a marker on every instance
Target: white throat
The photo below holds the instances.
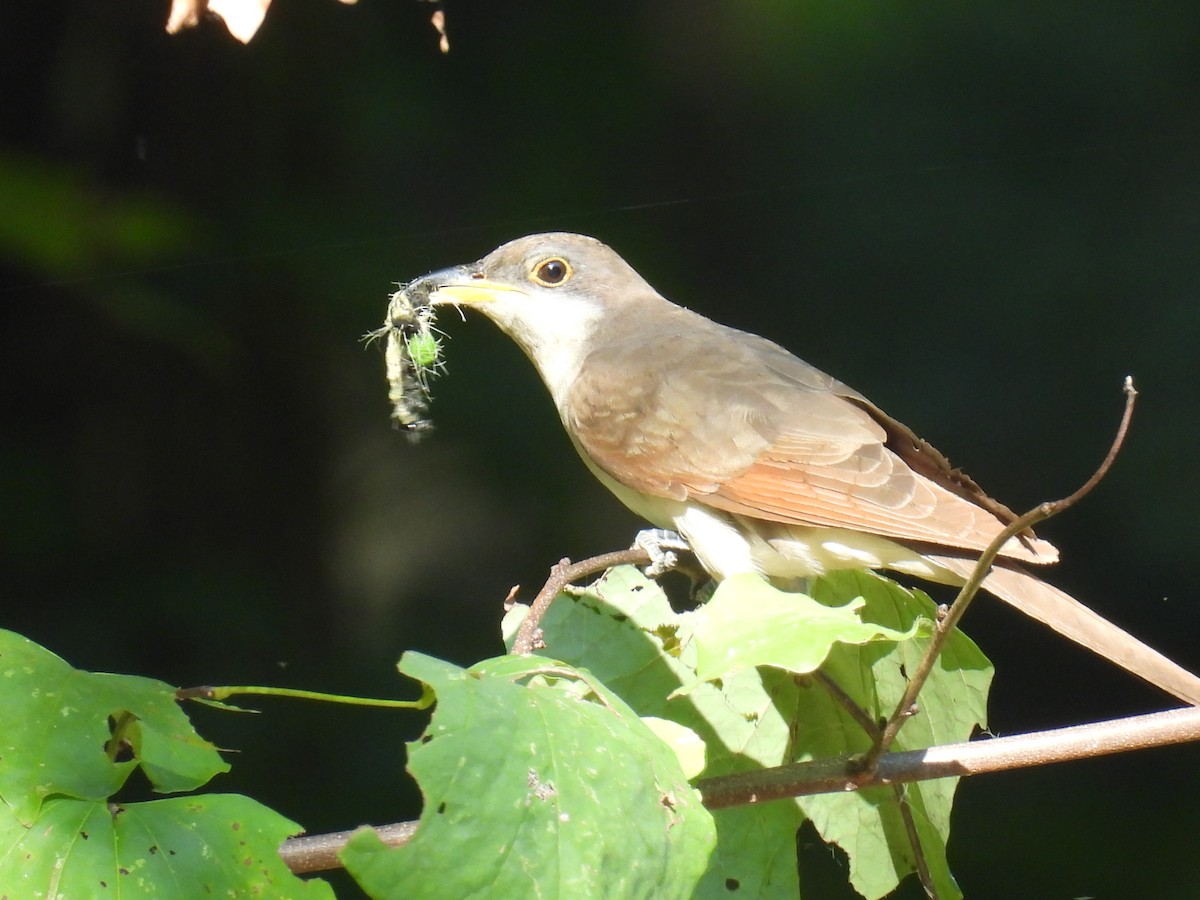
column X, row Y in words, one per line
column 553, row 332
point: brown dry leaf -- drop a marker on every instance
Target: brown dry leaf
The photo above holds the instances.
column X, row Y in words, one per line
column 439, row 22
column 242, row 17
column 184, row 14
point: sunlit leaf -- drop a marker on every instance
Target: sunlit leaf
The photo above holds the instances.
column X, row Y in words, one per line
column 624, row 631
column 538, row 781
column 59, row 721
column 211, row 846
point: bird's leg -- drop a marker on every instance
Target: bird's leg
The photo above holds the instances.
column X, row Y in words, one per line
column 663, row 548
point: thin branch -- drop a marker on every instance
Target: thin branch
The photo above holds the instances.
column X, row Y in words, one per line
column 219, row 694
column 824, row 776
column 846, row 702
column 562, row 574
column 1118, row 442
column 319, row 852
column 853, row 772
column 914, row 841
column 947, row 624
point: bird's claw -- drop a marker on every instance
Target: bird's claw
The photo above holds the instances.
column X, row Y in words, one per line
column 662, row 546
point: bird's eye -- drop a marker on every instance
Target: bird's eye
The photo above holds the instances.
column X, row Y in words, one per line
column 552, row 272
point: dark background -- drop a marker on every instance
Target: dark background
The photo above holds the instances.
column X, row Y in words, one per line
column 983, row 216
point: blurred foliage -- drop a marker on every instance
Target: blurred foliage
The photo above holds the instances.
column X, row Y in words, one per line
column 982, row 216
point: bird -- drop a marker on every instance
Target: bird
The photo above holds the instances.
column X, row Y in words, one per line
column 761, row 462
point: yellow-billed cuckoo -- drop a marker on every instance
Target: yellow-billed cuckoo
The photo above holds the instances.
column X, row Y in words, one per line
column 760, row 461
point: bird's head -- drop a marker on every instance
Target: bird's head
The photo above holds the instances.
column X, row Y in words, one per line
column 541, row 288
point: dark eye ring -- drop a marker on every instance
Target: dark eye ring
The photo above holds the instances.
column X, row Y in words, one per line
column 552, row 272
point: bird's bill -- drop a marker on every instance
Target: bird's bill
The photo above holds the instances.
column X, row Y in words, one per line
column 459, row 286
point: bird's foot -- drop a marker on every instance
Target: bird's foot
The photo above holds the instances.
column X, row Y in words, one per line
column 663, row 547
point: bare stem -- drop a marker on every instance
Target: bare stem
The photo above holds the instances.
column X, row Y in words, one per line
column 914, row 841
column 823, row 776
column 565, row 572
column 947, row 624
column 846, row 702
column 221, row 693
column 319, row 852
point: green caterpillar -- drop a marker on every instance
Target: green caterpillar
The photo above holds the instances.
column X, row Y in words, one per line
column 412, row 352
column 423, row 350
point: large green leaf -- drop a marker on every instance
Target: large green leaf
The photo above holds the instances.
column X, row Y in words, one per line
column 638, row 646
column 952, row 704
column 211, row 846
column 749, row 623
column 538, row 781
column 625, row 632
column 58, row 720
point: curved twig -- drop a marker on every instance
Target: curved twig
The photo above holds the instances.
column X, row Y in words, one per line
column 958, row 608
column 879, row 767
column 823, row 776
column 563, row 573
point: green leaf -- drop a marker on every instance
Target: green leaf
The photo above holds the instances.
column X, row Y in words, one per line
column 538, row 780
column 211, row 846
column 624, row 631
column 867, row 824
column 749, row 623
column 636, row 644
column 684, row 743
column 57, row 724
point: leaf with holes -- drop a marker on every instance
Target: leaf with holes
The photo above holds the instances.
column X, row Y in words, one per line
column 538, row 781
column 952, row 704
column 58, row 721
column 624, row 631
column 211, row 846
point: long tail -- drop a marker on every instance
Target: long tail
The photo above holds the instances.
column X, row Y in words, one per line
column 1072, row 619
